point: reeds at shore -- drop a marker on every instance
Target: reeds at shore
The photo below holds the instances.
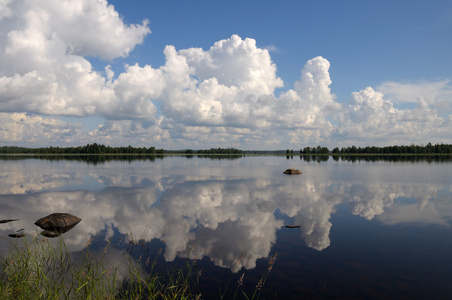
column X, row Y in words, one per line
column 42, row 269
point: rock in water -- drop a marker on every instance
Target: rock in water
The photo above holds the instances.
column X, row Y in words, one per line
column 292, row 226
column 292, row 171
column 50, row 233
column 7, row 220
column 16, row 235
column 58, row 222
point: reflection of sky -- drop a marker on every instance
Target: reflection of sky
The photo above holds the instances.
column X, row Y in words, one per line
column 225, row 208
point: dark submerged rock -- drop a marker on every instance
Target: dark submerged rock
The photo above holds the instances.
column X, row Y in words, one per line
column 50, row 233
column 60, row 222
column 7, row 220
column 16, row 235
column 57, row 232
column 292, row 226
column 292, row 171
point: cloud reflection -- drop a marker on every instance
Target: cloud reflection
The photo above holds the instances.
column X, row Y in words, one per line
column 224, row 211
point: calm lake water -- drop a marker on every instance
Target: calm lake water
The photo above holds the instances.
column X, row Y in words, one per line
column 368, row 229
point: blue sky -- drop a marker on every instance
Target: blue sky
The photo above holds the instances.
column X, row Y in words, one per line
column 366, row 42
column 245, row 74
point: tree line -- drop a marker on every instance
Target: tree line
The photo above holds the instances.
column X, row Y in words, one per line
column 412, row 149
column 217, row 151
column 315, row 150
column 102, row 149
column 87, row 149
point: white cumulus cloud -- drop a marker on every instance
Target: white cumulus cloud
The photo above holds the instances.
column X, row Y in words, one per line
column 42, row 64
column 370, row 117
column 17, row 127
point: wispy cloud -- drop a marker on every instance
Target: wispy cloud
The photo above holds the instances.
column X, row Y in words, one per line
column 272, row 48
column 435, row 93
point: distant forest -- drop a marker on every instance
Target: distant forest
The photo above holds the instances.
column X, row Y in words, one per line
column 87, row 149
column 413, row 149
column 102, row 149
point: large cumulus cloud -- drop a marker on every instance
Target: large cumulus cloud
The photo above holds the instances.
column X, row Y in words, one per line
column 43, row 45
column 370, row 114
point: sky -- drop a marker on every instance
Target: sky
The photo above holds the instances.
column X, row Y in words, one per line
column 199, row 74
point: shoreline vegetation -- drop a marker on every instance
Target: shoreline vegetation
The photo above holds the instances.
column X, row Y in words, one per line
column 41, row 269
column 98, row 149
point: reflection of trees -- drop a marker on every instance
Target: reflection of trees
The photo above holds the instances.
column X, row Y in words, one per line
column 375, row 158
column 317, row 158
column 395, row 158
column 102, row 158
column 89, row 159
column 220, row 157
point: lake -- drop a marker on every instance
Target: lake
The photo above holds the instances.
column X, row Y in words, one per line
column 368, row 228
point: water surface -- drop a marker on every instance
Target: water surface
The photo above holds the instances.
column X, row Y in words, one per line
column 368, row 229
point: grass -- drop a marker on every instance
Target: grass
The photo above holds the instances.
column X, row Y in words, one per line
column 45, row 269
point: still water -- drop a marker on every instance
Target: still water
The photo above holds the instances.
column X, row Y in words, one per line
column 368, row 229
